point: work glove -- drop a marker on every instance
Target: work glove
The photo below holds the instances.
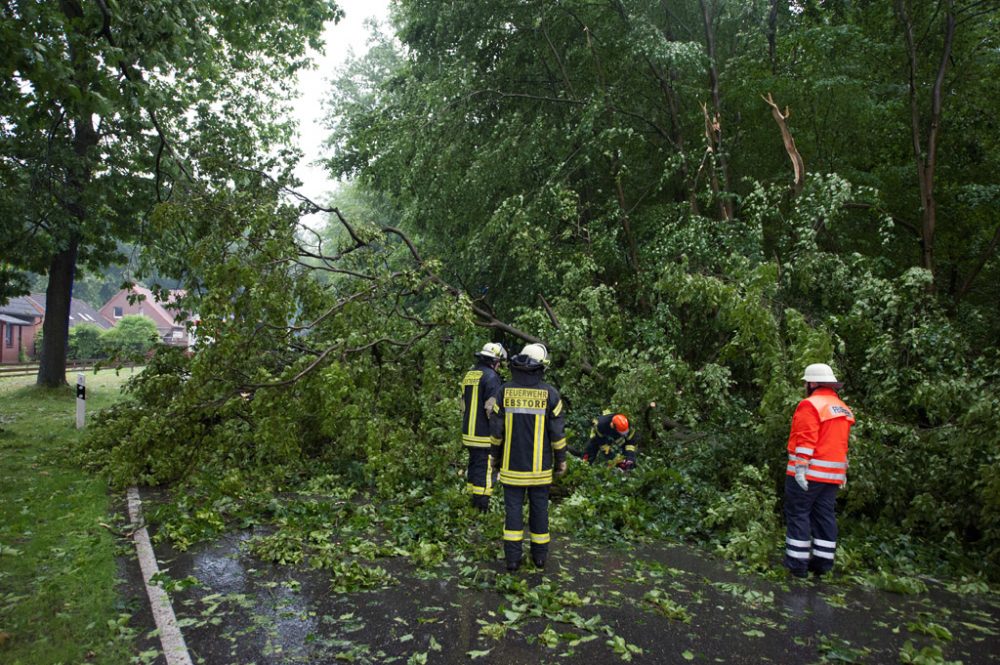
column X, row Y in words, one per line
column 800, row 477
column 561, row 469
column 626, row 465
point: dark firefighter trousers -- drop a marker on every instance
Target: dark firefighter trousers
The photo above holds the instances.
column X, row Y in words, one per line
column 811, row 526
column 538, row 522
column 480, row 477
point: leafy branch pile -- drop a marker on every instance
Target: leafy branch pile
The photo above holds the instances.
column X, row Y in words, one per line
column 561, row 171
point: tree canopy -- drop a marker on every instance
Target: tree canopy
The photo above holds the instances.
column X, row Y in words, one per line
column 108, row 107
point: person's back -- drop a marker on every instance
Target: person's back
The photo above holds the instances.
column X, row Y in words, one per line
column 528, row 443
column 479, row 388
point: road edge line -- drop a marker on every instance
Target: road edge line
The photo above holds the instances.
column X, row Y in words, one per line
column 174, row 648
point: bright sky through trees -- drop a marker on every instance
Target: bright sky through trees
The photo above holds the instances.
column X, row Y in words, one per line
column 351, row 33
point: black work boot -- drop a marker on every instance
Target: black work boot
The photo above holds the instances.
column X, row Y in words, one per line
column 512, row 566
column 539, row 562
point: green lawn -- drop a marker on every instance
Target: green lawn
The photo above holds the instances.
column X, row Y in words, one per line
column 58, row 596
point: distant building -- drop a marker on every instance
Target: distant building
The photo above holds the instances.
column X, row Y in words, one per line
column 169, row 322
column 22, row 317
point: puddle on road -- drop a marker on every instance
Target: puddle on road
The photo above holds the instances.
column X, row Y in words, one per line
column 248, row 611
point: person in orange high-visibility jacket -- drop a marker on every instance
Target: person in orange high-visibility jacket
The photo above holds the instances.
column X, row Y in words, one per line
column 817, row 469
column 529, row 443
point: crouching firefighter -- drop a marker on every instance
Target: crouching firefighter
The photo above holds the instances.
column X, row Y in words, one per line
column 528, row 443
column 817, row 468
column 479, row 389
column 611, row 431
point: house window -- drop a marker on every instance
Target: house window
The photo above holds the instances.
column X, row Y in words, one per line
column 118, row 312
column 8, row 335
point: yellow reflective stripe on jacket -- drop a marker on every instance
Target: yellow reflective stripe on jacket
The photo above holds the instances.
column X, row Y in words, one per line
column 545, row 479
column 539, row 444
column 525, row 478
column 630, row 448
column 560, row 444
column 476, row 441
column 557, row 409
column 508, row 423
column 474, row 408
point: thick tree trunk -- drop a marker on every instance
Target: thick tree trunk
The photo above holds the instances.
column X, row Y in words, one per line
column 55, row 328
column 62, row 268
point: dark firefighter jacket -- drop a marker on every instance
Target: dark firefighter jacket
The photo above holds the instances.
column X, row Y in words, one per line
column 479, row 389
column 527, row 429
column 603, row 436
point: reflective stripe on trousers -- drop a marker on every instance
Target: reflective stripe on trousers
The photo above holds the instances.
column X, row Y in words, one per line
column 538, row 521
column 811, row 536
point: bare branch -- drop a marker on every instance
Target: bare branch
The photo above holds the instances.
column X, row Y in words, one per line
column 786, row 136
column 548, row 310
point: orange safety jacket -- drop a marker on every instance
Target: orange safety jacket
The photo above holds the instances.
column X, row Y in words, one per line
column 820, row 429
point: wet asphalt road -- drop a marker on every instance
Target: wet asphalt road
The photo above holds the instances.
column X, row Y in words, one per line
column 243, row 610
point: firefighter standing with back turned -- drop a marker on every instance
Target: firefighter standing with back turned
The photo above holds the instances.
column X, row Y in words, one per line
column 528, row 443
column 817, row 468
column 479, row 389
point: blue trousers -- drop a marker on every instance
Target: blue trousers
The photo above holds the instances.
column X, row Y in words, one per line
column 480, row 477
column 538, row 521
column 811, row 526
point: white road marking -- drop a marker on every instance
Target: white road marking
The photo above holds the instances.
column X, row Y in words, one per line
column 174, row 647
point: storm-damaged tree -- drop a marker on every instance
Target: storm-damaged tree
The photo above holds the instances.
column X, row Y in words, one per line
column 106, row 106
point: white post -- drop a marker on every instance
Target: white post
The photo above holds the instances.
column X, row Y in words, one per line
column 81, row 400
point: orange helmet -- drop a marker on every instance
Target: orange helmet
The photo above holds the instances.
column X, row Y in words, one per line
column 620, row 423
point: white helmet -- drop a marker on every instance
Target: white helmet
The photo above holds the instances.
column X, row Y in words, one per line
column 536, row 352
column 819, row 373
column 493, row 351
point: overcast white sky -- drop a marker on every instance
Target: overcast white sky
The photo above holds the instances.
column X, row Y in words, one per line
column 349, row 33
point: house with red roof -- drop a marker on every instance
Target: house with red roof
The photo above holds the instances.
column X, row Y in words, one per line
column 170, row 322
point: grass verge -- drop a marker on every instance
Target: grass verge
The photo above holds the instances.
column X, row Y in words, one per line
column 58, row 596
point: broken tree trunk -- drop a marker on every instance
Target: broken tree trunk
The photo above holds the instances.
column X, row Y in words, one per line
column 798, row 166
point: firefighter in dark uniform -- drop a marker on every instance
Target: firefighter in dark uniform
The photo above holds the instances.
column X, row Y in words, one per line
column 479, row 389
column 528, row 445
column 612, row 431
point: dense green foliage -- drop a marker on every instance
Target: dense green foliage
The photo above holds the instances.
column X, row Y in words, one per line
column 131, row 337
column 551, row 163
column 85, row 341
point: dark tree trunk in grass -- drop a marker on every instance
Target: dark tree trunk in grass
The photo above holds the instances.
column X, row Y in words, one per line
column 55, row 329
column 59, row 293
column 62, row 269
